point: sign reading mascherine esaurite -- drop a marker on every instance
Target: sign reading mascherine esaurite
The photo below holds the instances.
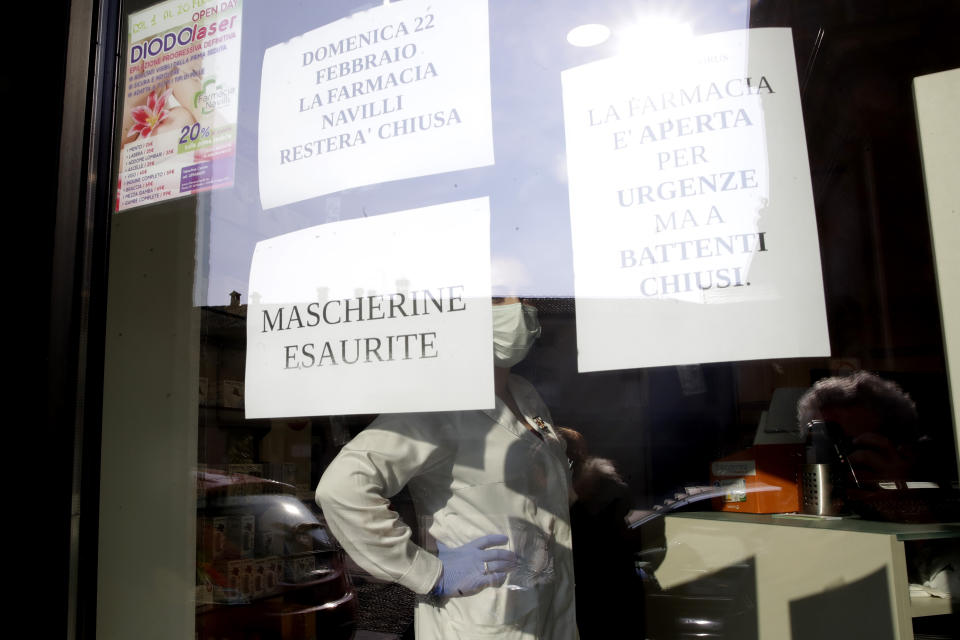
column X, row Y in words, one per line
column 358, row 316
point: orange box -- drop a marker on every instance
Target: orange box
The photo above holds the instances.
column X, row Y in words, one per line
column 759, row 479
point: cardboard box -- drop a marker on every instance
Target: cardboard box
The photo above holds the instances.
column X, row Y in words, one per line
column 235, row 575
column 218, row 539
column 257, row 586
column 231, row 394
column 240, row 536
column 759, row 479
column 267, row 567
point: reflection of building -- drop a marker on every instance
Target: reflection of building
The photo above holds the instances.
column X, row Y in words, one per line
column 279, row 449
column 293, row 451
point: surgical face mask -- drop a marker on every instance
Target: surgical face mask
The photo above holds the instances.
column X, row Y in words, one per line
column 515, row 327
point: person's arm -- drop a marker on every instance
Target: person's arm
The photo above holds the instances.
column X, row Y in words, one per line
column 354, row 494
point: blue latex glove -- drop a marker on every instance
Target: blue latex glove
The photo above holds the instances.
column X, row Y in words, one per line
column 474, row 566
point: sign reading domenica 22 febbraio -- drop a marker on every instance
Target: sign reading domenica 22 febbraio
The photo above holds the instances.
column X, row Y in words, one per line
column 397, row 91
column 691, row 208
column 354, row 317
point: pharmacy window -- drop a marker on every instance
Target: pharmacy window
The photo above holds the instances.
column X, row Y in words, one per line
column 536, row 320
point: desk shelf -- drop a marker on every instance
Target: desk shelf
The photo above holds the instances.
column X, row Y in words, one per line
column 814, row 578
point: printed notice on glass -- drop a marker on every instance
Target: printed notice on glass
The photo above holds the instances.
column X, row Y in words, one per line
column 180, row 101
column 383, row 314
column 692, row 214
column 398, row 91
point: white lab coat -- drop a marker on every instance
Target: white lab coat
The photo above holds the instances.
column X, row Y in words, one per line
column 470, row 473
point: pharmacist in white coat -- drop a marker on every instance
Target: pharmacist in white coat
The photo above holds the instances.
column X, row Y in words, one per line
column 490, row 488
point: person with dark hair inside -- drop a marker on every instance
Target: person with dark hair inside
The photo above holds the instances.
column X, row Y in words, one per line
column 883, row 444
column 879, row 423
column 609, row 593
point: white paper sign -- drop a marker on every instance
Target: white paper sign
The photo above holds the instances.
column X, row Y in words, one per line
column 382, row 314
column 691, row 208
column 398, row 91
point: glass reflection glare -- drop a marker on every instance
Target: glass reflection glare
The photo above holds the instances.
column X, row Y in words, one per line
column 653, row 35
column 588, row 35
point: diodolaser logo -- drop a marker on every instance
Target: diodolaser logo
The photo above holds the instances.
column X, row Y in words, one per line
column 162, row 44
column 169, row 40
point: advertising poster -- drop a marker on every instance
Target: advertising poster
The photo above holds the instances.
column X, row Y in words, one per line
column 692, row 214
column 383, row 314
column 180, row 101
column 398, row 91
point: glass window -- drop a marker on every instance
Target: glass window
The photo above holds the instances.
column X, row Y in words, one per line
column 439, row 319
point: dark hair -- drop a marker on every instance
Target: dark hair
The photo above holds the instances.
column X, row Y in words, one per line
column 896, row 412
